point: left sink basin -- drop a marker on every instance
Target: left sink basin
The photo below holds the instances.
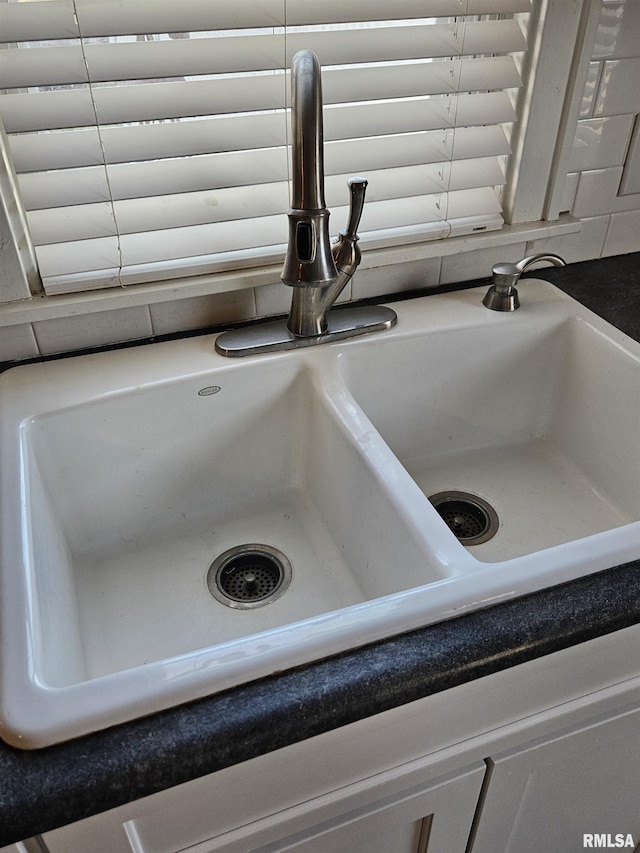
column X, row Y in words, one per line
column 121, row 490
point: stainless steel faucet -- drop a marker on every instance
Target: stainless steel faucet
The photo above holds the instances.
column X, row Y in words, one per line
column 315, row 270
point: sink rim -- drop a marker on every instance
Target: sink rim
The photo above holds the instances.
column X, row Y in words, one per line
column 35, row 715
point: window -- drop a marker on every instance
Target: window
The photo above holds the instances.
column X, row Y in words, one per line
column 149, row 137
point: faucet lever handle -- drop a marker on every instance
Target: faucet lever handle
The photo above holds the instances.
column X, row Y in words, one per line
column 357, row 189
column 346, row 251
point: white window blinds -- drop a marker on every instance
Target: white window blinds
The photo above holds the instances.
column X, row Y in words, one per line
column 150, row 136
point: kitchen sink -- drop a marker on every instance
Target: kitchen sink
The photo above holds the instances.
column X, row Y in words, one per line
column 175, row 523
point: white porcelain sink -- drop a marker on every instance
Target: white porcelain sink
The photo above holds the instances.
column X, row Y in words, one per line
column 126, row 474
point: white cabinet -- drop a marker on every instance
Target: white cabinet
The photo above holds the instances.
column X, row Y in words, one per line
column 396, row 812
column 552, row 793
column 526, row 760
column 545, row 794
column 433, row 817
column 22, row 847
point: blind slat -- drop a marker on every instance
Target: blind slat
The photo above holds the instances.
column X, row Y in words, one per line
column 134, row 180
column 308, row 12
column 118, row 144
column 217, row 246
column 240, row 168
column 42, row 19
column 411, row 42
column 152, row 16
column 60, row 150
column 184, row 57
column 50, row 66
column 200, row 97
column 55, row 19
column 88, row 221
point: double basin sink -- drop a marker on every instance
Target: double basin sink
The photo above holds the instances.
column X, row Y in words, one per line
column 175, row 523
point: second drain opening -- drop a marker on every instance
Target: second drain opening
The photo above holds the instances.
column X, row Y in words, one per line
column 471, row 519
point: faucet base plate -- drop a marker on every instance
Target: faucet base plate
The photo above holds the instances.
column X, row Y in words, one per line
column 274, row 336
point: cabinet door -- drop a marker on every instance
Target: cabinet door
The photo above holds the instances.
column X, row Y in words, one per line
column 434, row 817
column 103, row 833
column 393, row 812
column 550, row 794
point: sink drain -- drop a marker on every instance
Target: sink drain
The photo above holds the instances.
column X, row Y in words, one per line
column 470, row 518
column 249, row 576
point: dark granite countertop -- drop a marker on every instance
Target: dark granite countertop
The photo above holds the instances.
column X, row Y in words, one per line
column 43, row 789
column 609, row 287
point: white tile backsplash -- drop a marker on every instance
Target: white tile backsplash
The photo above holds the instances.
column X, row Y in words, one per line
column 619, row 91
column 272, row 299
column 17, row 342
column 569, row 192
column 601, row 142
column 598, row 194
column 396, row 278
column 624, row 234
column 617, row 35
column 610, row 110
column 93, row 330
column 471, row 265
column 181, row 315
column 586, row 245
column 590, row 90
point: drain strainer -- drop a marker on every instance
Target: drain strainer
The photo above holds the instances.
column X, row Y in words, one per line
column 249, row 576
column 470, row 518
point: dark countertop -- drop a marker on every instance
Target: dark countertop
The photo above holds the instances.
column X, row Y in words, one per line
column 609, row 287
column 43, row 789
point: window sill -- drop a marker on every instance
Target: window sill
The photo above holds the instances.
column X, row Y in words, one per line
column 74, row 305
column 65, row 324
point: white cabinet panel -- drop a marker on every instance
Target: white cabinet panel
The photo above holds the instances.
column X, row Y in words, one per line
column 103, row 833
column 429, row 817
column 549, row 794
column 20, row 847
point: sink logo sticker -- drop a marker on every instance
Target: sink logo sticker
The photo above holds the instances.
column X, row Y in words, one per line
column 209, row 390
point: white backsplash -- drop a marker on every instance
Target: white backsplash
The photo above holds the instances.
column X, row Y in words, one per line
column 602, row 148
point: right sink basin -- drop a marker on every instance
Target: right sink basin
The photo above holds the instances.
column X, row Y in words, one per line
column 533, row 414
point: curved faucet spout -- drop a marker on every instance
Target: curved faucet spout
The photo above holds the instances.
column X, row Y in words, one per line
column 309, row 261
column 307, row 166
